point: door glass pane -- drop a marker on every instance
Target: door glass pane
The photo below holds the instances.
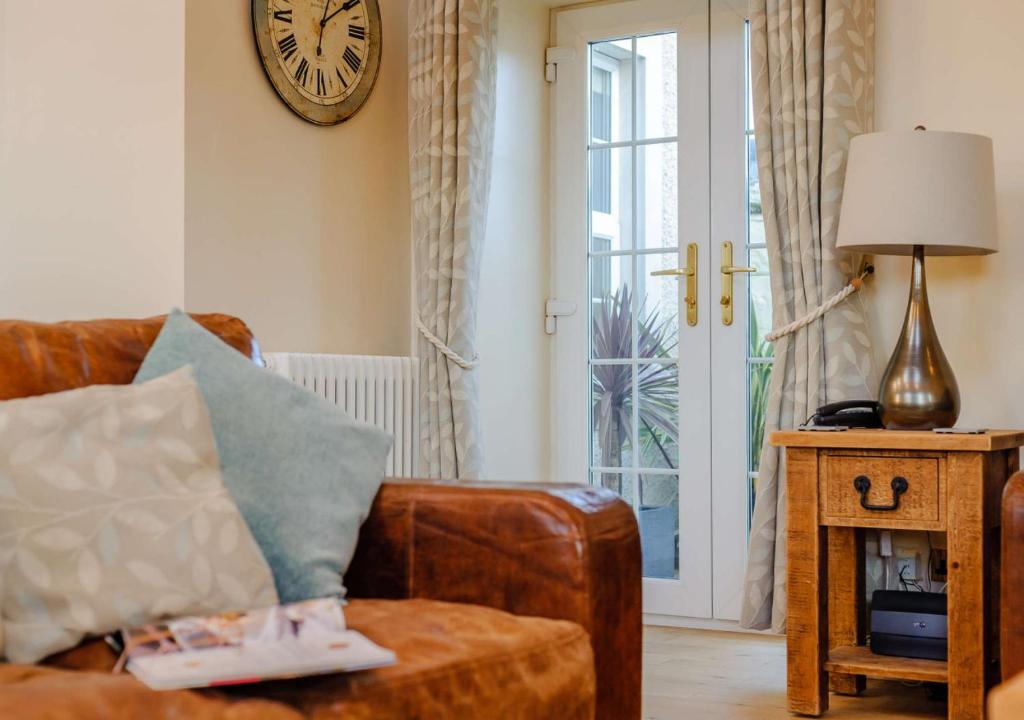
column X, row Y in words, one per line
column 612, row 421
column 760, row 320
column 634, row 317
column 659, row 525
column 760, row 373
column 659, row 300
column 623, row 483
column 611, row 91
column 602, row 84
column 611, row 311
column 657, row 86
column 658, row 417
column 759, row 259
column 657, row 195
column 755, row 218
column 611, row 199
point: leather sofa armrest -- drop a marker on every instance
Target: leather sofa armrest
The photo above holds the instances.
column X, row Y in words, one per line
column 1012, row 579
column 569, row 552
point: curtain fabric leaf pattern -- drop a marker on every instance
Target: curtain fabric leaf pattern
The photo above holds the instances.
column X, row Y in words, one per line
column 813, row 90
column 452, row 49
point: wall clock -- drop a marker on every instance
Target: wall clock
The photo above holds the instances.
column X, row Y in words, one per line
column 321, row 56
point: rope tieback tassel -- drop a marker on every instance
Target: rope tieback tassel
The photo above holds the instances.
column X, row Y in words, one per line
column 855, row 284
column 444, row 349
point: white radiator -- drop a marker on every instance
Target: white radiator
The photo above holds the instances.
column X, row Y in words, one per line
column 382, row 391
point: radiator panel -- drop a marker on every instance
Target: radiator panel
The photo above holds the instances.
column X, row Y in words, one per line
column 381, row 391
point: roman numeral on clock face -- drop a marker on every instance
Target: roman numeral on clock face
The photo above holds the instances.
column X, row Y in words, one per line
column 321, row 82
column 341, row 77
column 283, row 15
column 349, row 4
column 357, row 31
column 351, row 59
column 302, row 72
column 289, row 46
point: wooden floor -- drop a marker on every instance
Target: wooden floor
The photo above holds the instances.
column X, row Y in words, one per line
column 726, row 676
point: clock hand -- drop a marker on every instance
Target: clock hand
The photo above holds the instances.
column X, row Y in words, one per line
column 323, row 23
column 345, row 6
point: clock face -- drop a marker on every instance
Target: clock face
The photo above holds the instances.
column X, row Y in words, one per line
column 322, row 56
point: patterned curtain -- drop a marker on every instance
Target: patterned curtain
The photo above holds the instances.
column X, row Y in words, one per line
column 451, row 136
column 813, row 84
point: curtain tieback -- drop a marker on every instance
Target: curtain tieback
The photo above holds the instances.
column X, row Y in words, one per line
column 855, row 284
column 444, row 349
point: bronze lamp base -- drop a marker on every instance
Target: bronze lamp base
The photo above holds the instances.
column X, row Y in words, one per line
column 919, row 391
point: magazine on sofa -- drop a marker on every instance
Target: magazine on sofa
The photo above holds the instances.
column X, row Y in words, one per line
column 284, row 641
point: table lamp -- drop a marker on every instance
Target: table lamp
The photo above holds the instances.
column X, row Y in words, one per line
column 908, row 193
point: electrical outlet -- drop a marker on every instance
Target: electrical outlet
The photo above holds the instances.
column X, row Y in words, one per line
column 906, row 567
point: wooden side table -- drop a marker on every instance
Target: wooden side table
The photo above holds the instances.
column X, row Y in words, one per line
column 950, row 483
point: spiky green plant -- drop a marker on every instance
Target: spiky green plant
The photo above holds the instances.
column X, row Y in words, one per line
column 760, row 375
column 657, row 384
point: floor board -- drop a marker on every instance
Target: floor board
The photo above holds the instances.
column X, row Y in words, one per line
column 735, row 676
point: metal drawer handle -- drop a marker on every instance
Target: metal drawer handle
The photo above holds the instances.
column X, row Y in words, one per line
column 862, row 483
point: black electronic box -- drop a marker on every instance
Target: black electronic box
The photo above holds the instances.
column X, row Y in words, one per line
column 909, row 624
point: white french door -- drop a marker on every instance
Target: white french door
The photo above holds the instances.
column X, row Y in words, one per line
column 650, row 177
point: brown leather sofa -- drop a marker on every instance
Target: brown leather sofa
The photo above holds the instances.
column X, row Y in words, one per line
column 501, row 601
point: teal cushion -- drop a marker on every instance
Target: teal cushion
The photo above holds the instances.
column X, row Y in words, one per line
column 301, row 471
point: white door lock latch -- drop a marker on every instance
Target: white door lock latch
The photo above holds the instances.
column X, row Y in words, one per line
column 555, row 309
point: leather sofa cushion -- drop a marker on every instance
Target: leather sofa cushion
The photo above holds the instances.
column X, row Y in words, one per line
column 454, row 661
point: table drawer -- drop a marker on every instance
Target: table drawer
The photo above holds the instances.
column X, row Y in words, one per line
column 880, row 490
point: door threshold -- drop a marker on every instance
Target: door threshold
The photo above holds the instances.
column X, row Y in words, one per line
column 692, row 623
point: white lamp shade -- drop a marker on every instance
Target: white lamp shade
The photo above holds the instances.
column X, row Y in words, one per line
column 921, row 187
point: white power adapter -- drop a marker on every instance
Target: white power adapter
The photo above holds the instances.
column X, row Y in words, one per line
column 885, row 543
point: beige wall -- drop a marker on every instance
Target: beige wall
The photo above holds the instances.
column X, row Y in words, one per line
column 514, row 350
column 301, row 230
column 180, row 178
column 950, row 67
column 91, row 158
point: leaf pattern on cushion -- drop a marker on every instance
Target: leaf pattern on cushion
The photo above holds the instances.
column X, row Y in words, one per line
column 109, row 496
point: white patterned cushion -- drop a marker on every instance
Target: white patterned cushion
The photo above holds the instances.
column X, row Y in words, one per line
column 113, row 512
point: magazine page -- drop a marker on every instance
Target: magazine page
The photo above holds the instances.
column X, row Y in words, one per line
column 304, row 638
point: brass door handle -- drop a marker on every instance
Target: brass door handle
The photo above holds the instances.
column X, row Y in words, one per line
column 690, row 273
column 728, row 270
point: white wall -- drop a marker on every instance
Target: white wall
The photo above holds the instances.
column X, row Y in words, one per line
column 91, row 158
column 302, row 231
column 514, row 350
column 951, row 65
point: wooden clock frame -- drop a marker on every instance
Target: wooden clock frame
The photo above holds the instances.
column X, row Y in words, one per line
column 323, row 115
